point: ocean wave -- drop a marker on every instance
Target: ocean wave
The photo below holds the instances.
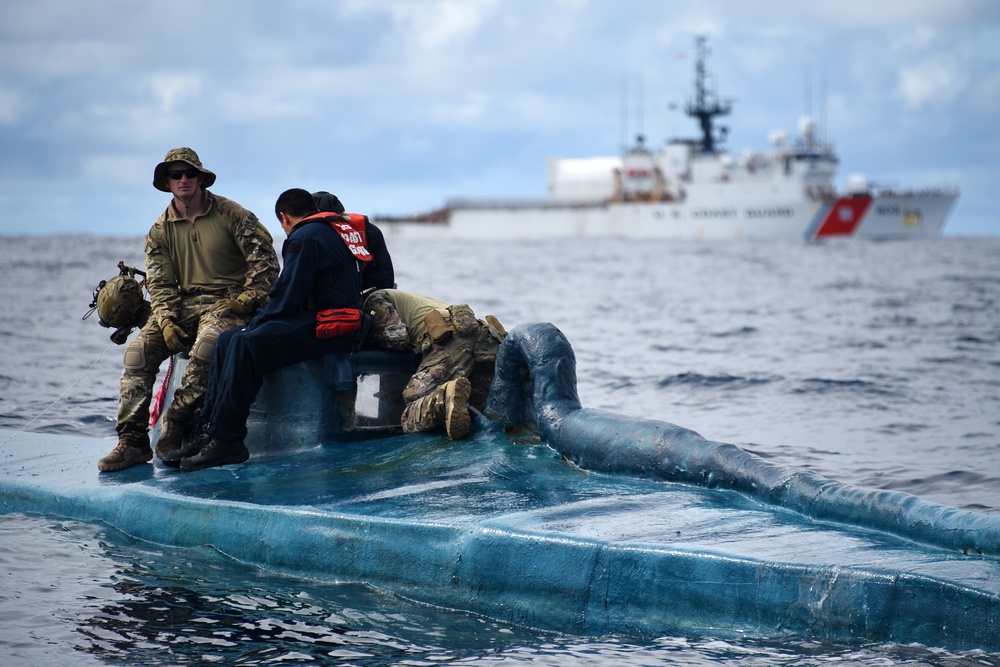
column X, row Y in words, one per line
column 829, row 385
column 721, row 381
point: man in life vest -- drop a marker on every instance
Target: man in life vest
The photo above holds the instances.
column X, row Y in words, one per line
column 458, row 357
column 319, row 283
column 378, row 273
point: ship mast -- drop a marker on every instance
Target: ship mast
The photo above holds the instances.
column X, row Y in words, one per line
column 706, row 104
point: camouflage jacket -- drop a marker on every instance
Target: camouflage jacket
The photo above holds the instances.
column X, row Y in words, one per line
column 226, row 252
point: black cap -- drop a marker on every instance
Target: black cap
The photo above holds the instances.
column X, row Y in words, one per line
column 327, row 203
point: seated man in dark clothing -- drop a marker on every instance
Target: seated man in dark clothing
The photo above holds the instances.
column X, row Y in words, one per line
column 322, row 267
column 378, row 273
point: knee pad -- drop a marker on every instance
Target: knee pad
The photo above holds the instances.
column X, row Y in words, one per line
column 135, row 356
column 204, row 346
column 464, row 320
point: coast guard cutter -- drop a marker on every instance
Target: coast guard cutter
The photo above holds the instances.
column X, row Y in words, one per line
column 694, row 189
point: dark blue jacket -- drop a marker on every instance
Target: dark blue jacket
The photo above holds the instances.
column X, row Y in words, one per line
column 379, row 273
column 318, row 272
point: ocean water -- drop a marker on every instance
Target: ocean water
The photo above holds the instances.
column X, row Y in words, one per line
column 875, row 364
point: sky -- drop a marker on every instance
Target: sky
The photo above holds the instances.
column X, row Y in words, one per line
column 399, row 105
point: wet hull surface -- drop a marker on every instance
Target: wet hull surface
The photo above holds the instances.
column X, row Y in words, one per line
column 503, row 526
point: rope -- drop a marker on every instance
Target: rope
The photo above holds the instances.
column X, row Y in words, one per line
column 161, row 394
column 52, row 405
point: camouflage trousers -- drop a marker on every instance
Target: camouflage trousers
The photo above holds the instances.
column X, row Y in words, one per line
column 424, row 394
column 203, row 320
column 460, row 356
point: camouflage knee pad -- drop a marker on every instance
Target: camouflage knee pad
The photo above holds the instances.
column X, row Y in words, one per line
column 142, row 359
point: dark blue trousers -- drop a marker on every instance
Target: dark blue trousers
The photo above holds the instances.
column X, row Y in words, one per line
column 243, row 356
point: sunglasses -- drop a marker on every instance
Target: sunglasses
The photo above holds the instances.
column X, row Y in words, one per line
column 177, row 175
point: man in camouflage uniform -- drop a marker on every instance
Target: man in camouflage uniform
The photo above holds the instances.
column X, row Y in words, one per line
column 458, row 357
column 210, row 264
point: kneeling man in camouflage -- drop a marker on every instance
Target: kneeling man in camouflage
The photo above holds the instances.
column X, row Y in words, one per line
column 458, row 357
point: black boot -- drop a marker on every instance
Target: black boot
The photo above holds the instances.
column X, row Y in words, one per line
column 192, row 446
column 171, row 437
column 216, row 453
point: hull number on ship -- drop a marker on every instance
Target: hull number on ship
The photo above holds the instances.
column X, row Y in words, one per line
column 911, row 217
column 769, row 212
column 713, row 213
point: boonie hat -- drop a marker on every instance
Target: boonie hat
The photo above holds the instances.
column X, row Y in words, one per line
column 183, row 154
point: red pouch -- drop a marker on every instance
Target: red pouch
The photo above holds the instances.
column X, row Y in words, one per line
column 337, row 322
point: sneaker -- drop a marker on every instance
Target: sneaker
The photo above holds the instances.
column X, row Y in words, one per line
column 457, row 421
column 216, row 453
column 128, row 453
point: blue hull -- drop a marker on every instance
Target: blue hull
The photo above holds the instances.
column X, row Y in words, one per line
column 505, row 526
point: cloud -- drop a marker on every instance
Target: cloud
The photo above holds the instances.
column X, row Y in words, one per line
column 406, row 103
column 441, row 26
column 934, row 81
column 13, row 105
column 170, row 90
column 988, row 41
column 984, row 97
column 837, row 14
column 115, row 168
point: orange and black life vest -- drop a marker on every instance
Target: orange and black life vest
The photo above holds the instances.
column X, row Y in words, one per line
column 352, row 230
column 351, row 227
column 359, row 222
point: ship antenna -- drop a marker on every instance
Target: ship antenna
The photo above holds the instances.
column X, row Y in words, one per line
column 640, row 121
column 822, row 103
column 640, row 109
column 706, row 105
column 808, row 92
column 625, row 111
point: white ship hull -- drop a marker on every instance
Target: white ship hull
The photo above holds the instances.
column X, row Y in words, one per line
column 887, row 216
